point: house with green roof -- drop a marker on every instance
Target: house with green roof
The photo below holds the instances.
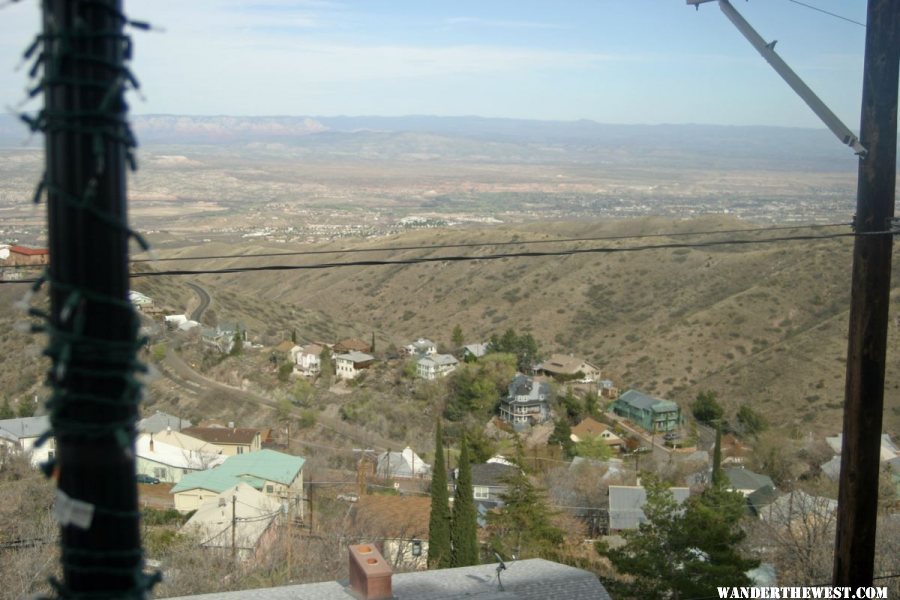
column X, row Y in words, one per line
column 275, row 474
column 653, row 414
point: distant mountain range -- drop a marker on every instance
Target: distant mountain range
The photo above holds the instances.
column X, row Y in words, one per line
column 478, row 138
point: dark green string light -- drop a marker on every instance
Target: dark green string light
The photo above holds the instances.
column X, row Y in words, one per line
column 106, row 124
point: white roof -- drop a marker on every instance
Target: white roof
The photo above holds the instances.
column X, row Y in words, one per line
column 25, row 427
column 477, row 350
column 355, row 357
column 888, row 449
column 254, row 512
column 176, row 450
column 188, row 325
column 439, row 359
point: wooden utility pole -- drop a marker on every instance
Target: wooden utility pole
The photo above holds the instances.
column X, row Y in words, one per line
column 233, row 526
column 93, row 327
column 870, row 294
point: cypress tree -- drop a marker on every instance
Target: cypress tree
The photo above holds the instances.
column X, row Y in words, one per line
column 464, row 526
column 439, row 522
column 718, row 477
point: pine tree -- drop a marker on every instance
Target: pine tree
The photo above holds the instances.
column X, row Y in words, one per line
column 6, row 411
column 523, row 527
column 326, row 367
column 457, row 337
column 238, row 344
column 684, row 551
column 439, row 522
column 464, row 526
column 718, row 477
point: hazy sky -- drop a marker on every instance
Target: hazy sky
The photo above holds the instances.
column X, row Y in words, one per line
column 614, row 61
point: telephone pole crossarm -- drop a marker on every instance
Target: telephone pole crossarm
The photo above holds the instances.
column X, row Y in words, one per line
column 767, row 50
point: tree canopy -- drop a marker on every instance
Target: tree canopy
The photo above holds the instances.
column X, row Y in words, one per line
column 685, row 551
column 523, row 346
column 523, row 527
column 705, row 407
column 475, row 388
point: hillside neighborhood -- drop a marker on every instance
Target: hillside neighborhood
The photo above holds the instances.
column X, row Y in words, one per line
column 246, row 492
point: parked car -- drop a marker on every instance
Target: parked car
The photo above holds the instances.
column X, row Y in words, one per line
column 141, row 478
column 671, row 436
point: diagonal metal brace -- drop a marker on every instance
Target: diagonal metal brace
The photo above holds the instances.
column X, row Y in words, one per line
column 767, row 50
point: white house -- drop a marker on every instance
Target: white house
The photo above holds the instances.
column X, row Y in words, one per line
column 473, row 351
column 169, row 455
column 421, row 347
column 306, row 359
column 436, row 365
column 20, row 435
column 348, row 366
column 252, row 514
column 139, row 300
column 405, row 465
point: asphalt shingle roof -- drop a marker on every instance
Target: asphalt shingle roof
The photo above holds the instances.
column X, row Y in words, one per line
column 626, row 504
column 745, row 479
column 222, row 435
column 532, row 579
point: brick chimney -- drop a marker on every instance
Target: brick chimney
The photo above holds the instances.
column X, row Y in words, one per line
column 370, row 575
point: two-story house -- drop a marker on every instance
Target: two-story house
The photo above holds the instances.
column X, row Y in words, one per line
column 306, row 359
column 275, row 474
column 436, row 365
column 349, row 365
column 526, row 403
column 653, row 414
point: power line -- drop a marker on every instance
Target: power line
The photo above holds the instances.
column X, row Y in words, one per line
column 469, row 258
column 822, row 10
column 493, row 244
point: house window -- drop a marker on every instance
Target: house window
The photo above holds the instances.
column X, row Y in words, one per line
column 159, row 472
column 481, row 493
column 240, row 449
column 270, row 489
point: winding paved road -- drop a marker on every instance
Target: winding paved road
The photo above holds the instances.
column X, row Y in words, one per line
column 204, row 301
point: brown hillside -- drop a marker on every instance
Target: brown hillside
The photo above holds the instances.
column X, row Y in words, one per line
column 761, row 324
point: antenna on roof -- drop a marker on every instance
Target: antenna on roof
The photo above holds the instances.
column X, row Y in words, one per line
column 501, row 566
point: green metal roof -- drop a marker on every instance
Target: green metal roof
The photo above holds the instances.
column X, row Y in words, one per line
column 253, row 468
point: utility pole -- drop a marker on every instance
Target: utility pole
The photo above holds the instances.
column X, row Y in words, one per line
column 93, row 327
column 233, row 526
column 870, row 294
